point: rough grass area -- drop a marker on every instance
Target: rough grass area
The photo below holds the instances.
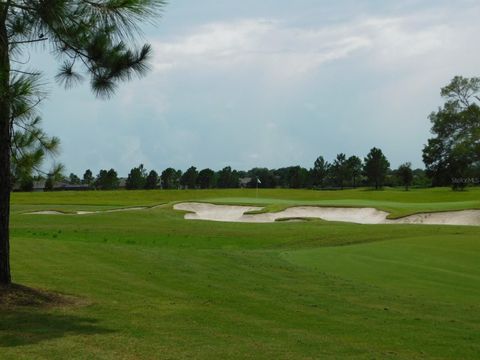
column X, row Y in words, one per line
column 159, row 286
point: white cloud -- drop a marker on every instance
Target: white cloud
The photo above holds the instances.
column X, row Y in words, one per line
column 274, row 46
column 257, row 42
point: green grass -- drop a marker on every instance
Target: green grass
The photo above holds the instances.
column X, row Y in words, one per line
column 396, row 201
column 158, row 286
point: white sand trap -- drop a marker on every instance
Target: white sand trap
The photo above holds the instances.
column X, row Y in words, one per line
column 202, row 211
column 354, row 215
column 46, row 212
column 229, row 213
column 463, row 217
column 52, row 212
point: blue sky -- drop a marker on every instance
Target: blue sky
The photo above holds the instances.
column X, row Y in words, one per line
column 272, row 83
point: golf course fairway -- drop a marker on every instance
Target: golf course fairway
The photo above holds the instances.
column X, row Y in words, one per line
column 148, row 284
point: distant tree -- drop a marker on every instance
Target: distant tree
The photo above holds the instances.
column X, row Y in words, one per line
column 453, row 154
column 206, row 179
column 100, row 179
column 189, row 178
column 320, row 171
column 339, row 170
column 151, row 181
column 354, row 169
column 48, row 183
column 74, row 179
column 282, row 177
column 391, row 178
column 294, row 177
column 226, row 178
column 26, row 183
column 462, row 165
column 88, row 178
column 178, row 176
column 420, row 178
column 107, row 180
column 405, row 175
column 170, row 178
column 297, row 177
column 375, row 167
column 266, row 177
column 136, row 178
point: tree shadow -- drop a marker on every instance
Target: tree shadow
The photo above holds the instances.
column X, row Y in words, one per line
column 19, row 328
column 29, row 316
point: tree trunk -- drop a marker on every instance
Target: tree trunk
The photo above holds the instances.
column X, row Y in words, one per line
column 5, row 140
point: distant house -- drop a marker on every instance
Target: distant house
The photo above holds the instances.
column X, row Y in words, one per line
column 122, row 183
column 243, row 182
column 38, row 186
column 62, row 186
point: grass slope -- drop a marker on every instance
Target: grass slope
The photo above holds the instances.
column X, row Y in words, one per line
column 162, row 287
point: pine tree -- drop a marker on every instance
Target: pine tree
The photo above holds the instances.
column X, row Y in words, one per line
column 84, row 34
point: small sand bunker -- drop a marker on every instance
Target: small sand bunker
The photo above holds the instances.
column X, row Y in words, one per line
column 53, row 212
column 463, row 217
column 229, row 213
column 202, row 211
column 46, row 212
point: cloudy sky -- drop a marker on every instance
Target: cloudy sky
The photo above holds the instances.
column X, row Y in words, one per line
column 272, row 83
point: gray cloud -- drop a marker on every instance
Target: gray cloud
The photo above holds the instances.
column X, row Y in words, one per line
column 277, row 91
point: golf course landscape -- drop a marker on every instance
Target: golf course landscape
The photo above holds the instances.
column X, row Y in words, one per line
column 147, row 283
column 230, row 180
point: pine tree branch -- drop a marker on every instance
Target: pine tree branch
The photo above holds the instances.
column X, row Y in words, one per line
column 26, row 72
column 27, row 41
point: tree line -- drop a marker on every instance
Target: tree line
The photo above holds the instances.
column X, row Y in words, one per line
column 342, row 172
column 451, row 158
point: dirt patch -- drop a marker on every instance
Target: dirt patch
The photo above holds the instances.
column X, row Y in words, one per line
column 22, row 296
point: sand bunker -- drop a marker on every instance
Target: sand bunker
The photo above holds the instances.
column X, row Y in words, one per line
column 204, row 211
column 53, row 212
column 463, row 217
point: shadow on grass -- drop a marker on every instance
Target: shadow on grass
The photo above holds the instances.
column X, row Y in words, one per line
column 21, row 327
column 29, row 316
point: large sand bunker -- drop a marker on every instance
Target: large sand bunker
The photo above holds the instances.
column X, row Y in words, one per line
column 229, row 213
